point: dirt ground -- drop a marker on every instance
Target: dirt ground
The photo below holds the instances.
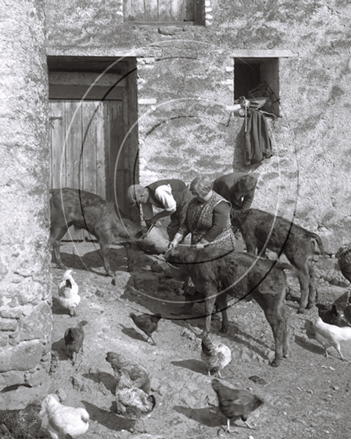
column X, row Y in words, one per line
column 307, row 396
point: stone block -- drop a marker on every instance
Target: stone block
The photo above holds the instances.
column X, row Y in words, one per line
column 46, row 348
column 22, row 357
column 8, row 324
column 35, row 377
column 14, row 313
column 29, row 291
column 3, row 269
column 4, row 339
column 46, row 365
column 37, row 324
column 14, row 338
column 22, row 395
column 9, row 378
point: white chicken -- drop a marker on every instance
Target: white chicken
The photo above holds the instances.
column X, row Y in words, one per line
column 68, row 293
column 214, row 354
column 64, row 421
column 331, row 335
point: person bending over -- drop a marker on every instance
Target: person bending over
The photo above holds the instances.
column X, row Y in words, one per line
column 238, row 188
column 170, row 195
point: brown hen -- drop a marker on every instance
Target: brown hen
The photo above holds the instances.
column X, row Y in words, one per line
column 347, row 314
column 344, row 259
column 147, row 323
column 235, row 404
column 74, row 338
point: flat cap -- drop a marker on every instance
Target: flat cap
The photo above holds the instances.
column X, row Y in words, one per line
column 134, row 192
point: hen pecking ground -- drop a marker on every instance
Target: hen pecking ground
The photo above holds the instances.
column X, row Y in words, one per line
column 307, row 396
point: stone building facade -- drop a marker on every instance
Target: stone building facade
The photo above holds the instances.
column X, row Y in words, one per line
column 185, row 90
column 178, row 82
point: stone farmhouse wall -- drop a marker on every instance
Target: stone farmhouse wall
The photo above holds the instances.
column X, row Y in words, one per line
column 25, row 282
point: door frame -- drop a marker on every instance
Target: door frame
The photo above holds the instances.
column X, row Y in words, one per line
column 125, row 67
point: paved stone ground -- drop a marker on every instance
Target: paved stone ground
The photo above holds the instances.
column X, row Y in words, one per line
column 307, row 396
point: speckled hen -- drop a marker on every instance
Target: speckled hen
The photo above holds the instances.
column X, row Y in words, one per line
column 214, row 354
column 138, row 374
column 132, row 402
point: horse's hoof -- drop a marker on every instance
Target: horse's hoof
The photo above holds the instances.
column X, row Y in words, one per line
column 276, row 362
column 223, row 330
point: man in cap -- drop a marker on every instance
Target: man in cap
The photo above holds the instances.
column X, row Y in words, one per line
column 238, row 188
column 170, row 195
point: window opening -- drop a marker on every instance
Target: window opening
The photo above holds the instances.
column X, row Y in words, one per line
column 257, row 79
column 166, row 12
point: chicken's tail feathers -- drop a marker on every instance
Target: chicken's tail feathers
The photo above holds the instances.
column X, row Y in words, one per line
column 152, row 399
column 217, row 385
column 258, row 402
column 321, row 306
column 156, row 317
column 68, row 337
column 111, row 357
column 85, row 416
column 334, row 310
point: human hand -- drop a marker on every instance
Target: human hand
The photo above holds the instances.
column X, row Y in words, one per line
column 148, row 223
column 172, row 244
column 152, row 221
column 202, row 243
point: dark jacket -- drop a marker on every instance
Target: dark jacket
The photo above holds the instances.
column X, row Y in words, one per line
column 227, row 187
column 182, row 197
column 258, row 144
column 177, row 186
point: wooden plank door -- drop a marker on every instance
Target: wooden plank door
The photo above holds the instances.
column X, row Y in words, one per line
column 114, row 136
column 86, row 137
column 65, row 119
